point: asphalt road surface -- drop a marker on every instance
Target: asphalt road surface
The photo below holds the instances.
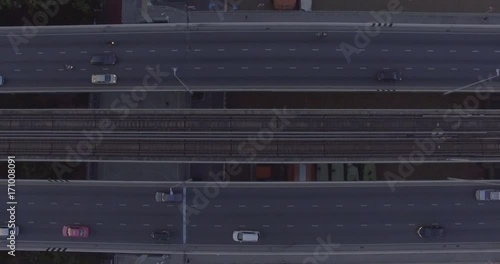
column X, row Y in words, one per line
column 249, row 61
column 283, row 215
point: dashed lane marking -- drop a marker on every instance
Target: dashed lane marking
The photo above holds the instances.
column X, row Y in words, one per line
column 123, row 224
column 458, row 204
column 152, row 51
column 265, row 225
column 339, row 205
column 217, row 225
column 340, row 225
column 145, row 205
column 99, row 204
column 146, row 224
column 290, row 206
column 122, row 204
column 220, row 49
column 290, row 226
column 129, row 51
column 411, row 205
column 98, row 223
column 174, row 50
column 76, row 204
column 314, row 226
column 453, row 50
column 218, row 206
column 31, row 203
column 31, row 222
column 242, row 205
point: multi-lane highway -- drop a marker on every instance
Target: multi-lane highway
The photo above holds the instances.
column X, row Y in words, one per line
column 263, row 60
column 285, row 214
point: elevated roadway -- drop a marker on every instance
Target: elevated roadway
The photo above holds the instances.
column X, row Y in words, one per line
column 288, row 215
column 204, row 135
column 278, row 57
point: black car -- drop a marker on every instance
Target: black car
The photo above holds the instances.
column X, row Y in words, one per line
column 389, row 75
column 161, row 235
column 430, row 231
column 104, row 59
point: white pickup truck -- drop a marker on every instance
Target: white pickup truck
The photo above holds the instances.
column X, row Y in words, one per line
column 488, row 195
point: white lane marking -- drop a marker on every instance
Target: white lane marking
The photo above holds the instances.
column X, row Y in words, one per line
column 122, row 224
column 480, row 223
column 17, row 70
column 315, row 205
column 453, row 50
column 316, row 68
column 62, row 52
column 76, row 223
column 83, row 69
column 339, row 68
column 197, row 68
column 410, row 204
column 497, row 51
column 31, row 222
column 218, row 206
column 388, row 224
column 169, row 225
column 53, row 223
column 363, row 205
column 128, row 69
column 387, row 205
column 197, row 50
column 292, row 68
column 220, row 68
column 364, row 225
column 98, row 223
column 83, row 52
column 454, row 69
column 193, row 225
column 99, row 204
column 431, row 69
column 434, row 224
column 31, row 203
column 106, row 69
column 244, row 68
column 458, row 223
column 145, row 205
column 39, row 70
column 340, row 225
column 290, row 206
column 475, row 51
column 265, row 205
column 242, row 205
column 174, row 50
column 220, row 49
column 338, row 50
column 217, row 225
column 476, row 69
column 314, row 226
column 268, row 68
column 76, row 204
column 265, row 225
column 339, row 205
column 19, row 53
column 385, row 50
column 39, row 53
column 457, row 204
column 269, row 49
column 290, row 226
column 122, row 204
column 480, row 203
column 315, row 49
column 53, row 203
column 244, row 49
column 152, row 51
column 433, row 204
column 242, row 225
column 362, row 68
column 409, row 68
column 430, row 50
column 361, row 49
column 411, row 224
column 291, row 49
column 407, row 50
column 129, row 51
column 385, row 68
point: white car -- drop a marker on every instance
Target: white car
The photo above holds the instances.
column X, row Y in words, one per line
column 488, row 195
column 1, row 80
column 104, row 79
column 246, row 236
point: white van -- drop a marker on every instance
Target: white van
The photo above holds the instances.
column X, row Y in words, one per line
column 5, row 231
column 246, row 236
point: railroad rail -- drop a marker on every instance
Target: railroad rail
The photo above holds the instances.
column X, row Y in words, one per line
column 253, row 150
column 259, row 120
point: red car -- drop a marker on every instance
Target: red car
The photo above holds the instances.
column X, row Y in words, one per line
column 75, row 231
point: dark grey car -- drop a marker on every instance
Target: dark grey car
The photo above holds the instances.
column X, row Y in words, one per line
column 389, row 75
column 161, row 235
column 430, row 231
column 104, row 59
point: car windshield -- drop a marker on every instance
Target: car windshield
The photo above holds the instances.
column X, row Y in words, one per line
column 240, row 236
column 68, row 232
column 107, row 78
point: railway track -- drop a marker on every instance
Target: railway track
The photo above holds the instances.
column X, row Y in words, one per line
column 278, row 121
column 251, row 151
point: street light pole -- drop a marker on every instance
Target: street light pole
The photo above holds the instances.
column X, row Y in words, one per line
column 174, row 69
column 463, row 87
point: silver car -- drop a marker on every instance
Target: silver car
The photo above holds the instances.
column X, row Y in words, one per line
column 246, row 236
column 488, row 195
column 163, row 197
column 104, row 79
